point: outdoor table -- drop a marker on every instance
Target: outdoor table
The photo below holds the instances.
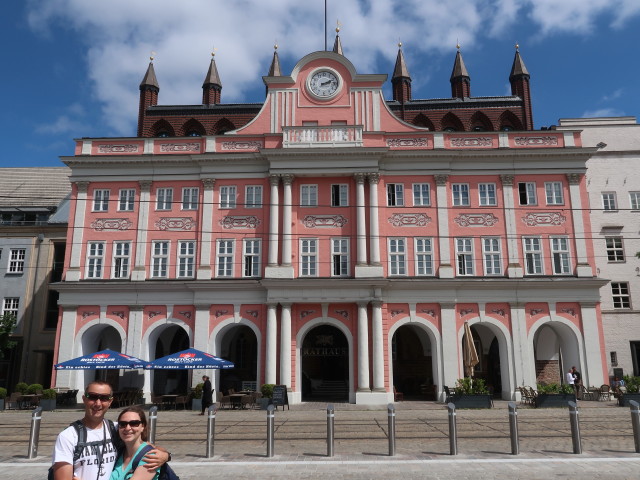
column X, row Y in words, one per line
column 169, row 400
column 236, row 399
column 27, row 401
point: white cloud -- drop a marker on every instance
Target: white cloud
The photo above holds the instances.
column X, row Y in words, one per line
column 603, row 112
column 612, row 96
column 63, row 124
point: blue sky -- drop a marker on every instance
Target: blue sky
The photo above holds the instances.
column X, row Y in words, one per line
column 72, row 67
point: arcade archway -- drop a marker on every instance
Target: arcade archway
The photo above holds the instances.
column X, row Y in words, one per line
column 325, row 365
column 102, row 337
column 170, row 340
column 412, row 363
column 239, row 345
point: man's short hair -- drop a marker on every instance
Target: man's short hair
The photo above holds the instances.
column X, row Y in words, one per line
column 98, row 382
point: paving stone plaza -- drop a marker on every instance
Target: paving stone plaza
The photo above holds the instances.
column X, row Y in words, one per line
column 361, row 447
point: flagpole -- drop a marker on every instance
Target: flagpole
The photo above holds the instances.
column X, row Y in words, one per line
column 325, row 25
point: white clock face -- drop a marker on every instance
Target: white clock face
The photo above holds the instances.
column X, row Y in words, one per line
column 324, row 84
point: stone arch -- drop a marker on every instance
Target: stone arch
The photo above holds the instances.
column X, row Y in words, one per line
column 421, row 120
column 221, row 126
column 162, row 128
column 509, row 120
column 192, row 128
column 451, row 122
column 479, row 122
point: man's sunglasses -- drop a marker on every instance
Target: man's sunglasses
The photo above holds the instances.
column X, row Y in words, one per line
column 132, row 423
column 94, row 397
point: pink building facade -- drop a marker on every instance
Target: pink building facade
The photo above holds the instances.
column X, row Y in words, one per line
column 333, row 248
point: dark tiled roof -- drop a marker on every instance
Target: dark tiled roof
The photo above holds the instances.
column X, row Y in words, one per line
column 34, row 186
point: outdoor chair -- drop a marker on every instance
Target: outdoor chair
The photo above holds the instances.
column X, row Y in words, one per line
column 157, row 401
column 605, row 393
column 183, row 400
column 13, row 402
column 447, row 393
column 585, row 394
column 397, row 396
column 525, row 397
column 224, row 401
column 247, row 401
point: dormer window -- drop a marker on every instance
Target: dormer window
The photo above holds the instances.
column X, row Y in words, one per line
column 193, row 133
column 163, row 134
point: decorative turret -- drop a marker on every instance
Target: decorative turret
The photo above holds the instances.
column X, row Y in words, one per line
column 274, row 69
column 519, row 79
column 149, row 89
column 460, row 79
column 401, row 80
column 337, row 44
column 212, row 86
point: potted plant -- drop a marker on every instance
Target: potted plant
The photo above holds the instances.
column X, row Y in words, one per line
column 48, row 400
column 554, row 395
column 22, row 388
column 196, row 397
column 3, row 395
column 267, row 395
column 632, row 391
column 471, row 393
column 34, row 388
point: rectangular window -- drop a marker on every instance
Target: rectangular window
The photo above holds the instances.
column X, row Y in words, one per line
column 95, row 258
column 421, row 195
column 164, row 198
column 397, row 256
column 186, row 258
column 527, row 193
column 491, row 256
column 251, row 257
column 100, row 200
column 487, row 193
column 395, row 194
column 253, row 196
column 308, row 257
column 121, row 259
column 339, row 195
column 225, row 258
column 609, row 201
column 533, row 255
column 309, row 195
column 126, row 200
column 339, row 257
column 16, row 260
column 560, row 255
column 615, row 251
column 228, row 196
column 620, row 293
column 190, row 198
column 10, row 305
column 464, row 256
column 553, row 191
column 634, row 200
column 424, row 256
column 460, row 192
column 160, row 259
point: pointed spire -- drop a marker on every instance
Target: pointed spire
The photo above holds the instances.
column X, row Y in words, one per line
column 401, row 81
column 150, row 79
column 337, row 44
column 460, row 79
column 212, row 86
column 400, row 69
column 149, row 89
column 518, row 69
column 459, row 68
column 212, row 77
column 520, row 87
column 274, row 70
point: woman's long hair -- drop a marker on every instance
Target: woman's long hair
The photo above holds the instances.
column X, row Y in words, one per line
column 143, row 419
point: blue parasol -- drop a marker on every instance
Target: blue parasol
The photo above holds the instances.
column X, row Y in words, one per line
column 104, row 359
column 189, row 359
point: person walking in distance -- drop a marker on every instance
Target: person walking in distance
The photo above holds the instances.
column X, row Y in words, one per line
column 207, row 394
column 577, row 382
column 570, row 378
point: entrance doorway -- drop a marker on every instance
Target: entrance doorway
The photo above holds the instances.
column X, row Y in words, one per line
column 325, row 365
column 172, row 339
column 412, row 363
column 239, row 345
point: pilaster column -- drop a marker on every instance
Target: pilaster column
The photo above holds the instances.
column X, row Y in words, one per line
column 374, row 179
column 361, row 221
column 285, row 345
column 514, row 268
column 450, row 348
column 274, row 219
column 444, row 243
column 378, row 347
column 271, row 348
column 134, row 331
column 139, row 272
column 363, row 348
column 287, row 180
column 594, row 371
column 65, row 342
column 204, row 268
column 583, row 268
column 73, row 273
column 524, row 363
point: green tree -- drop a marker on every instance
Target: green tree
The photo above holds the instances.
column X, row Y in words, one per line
column 7, row 325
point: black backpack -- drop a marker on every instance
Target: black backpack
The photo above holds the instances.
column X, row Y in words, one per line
column 166, row 472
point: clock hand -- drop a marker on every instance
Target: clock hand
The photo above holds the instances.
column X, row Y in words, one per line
column 324, row 83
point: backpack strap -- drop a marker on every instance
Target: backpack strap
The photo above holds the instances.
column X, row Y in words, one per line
column 134, row 463
column 81, row 431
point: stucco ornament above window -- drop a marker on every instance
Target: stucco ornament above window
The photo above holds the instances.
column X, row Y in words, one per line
column 476, row 219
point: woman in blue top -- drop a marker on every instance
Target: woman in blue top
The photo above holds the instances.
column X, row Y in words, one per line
column 132, row 427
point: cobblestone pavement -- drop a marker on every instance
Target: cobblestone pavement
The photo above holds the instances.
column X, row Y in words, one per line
column 361, row 443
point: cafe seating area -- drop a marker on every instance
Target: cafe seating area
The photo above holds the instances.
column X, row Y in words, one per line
column 244, row 399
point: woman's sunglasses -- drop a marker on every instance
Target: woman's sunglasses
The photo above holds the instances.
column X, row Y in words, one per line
column 132, row 423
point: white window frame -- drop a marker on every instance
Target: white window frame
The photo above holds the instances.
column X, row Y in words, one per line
column 190, row 198
column 533, row 255
column 16, row 261
column 609, row 202
column 186, row 264
column 251, row 259
column 160, row 253
column 395, row 194
column 11, row 305
column 620, row 296
column 492, row 256
column 421, row 194
column 126, row 199
column 95, row 259
column 101, row 199
column 553, row 193
column 464, row 256
column 634, row 200
column 423, row 251
column 615, row 249
column 228, row 196
column 487, row 194
column 397, row 248
column 120, row 267
column 528, row 191
column 309, row 195
column 164, row 198
column 225, row 249
column 460, row 194
column 560, row 255
column 253, row 196
column 340, row 195
column 308, row 257
column 339, row 257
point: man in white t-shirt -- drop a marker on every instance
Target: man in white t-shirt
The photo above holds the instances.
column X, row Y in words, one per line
column 570, row 378
column 98, row 457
